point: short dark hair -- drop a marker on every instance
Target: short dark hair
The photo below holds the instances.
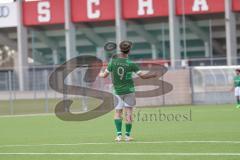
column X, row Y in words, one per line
column 125, row 46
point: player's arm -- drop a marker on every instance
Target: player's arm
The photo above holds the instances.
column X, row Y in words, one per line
column 103, row 74
column 147, row 75
column 142, row 75
column 106, row 71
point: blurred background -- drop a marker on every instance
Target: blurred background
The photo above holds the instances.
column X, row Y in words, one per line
column 197, row 40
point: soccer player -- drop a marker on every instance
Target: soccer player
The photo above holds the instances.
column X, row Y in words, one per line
column 121, row 69
column 237, row 87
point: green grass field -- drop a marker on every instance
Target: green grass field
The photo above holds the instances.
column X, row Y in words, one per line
column 210, row 132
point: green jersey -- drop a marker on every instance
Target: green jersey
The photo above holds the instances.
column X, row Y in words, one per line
column 122, row 69
column 237, row 81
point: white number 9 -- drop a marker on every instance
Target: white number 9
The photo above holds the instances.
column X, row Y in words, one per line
column 120, row 72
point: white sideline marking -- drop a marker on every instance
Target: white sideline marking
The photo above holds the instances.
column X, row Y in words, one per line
column 113, row 143
column 27, row 115
column 128, row 154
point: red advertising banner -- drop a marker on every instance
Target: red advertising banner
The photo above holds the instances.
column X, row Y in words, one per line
column 43, row 12
column 144, row 8
column 199, row 6
column 236, row 5
column 92, row 10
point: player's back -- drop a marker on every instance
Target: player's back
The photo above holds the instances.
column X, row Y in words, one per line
column 122, row 69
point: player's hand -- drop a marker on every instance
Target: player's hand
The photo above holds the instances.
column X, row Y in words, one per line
column 153, row 74
column 148, row 75
column 101, row 74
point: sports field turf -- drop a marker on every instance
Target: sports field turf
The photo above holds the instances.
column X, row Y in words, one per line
column 210, row 132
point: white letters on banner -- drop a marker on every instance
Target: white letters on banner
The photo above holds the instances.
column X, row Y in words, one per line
column 145, row 7
column 44, row 13
column 91, row 13
column 200, row 5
